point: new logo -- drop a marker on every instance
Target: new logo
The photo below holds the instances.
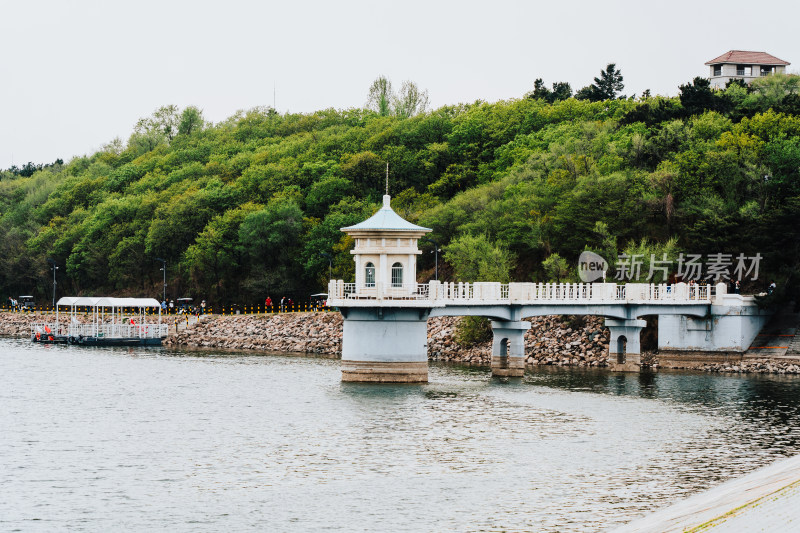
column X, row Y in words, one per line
column 591, row 267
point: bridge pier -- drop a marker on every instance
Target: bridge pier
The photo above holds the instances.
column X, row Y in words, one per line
column 385, row 344
column 508, row 348
column 624, row 348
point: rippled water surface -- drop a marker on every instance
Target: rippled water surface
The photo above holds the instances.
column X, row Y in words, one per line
column 152, row 439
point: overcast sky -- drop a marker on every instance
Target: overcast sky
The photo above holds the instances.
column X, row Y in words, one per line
column 78, row 73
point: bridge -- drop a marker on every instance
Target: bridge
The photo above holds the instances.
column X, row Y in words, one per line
column 387, row 324
column 385, row 310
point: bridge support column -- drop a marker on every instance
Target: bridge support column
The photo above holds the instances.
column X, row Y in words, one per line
column 508, row 348
column 624, row 349
column 385, row 344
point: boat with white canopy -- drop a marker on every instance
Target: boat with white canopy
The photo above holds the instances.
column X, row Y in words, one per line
column 104, row 321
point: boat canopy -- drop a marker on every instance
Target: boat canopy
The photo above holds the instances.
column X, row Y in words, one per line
column 107, row 301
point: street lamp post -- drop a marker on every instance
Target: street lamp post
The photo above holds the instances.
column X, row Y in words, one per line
column 436, row 251
column 163, row 269
column 54, row 267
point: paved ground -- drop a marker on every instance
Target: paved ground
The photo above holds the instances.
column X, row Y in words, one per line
column 777, row 512
column 765, row 500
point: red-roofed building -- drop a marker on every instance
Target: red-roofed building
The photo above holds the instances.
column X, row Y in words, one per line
column 743, row 65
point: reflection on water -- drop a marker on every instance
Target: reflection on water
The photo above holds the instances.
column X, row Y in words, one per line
column 138, row 439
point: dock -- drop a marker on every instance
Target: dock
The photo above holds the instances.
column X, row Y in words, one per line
column 112, row 322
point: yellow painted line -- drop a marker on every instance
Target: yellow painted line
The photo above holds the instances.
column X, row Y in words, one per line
column 733, row 512
column 768, row 347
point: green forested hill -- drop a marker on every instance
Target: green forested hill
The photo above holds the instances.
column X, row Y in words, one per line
column 247, row 207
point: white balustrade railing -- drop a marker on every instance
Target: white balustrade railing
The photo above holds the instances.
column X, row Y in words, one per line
column 128, row 331
column 378, row 291
column 525, row 292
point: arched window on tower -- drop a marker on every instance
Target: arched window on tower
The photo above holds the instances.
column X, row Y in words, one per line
column 397, row 275
column 369, row 279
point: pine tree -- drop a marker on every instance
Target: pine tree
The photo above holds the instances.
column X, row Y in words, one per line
column 609, row 84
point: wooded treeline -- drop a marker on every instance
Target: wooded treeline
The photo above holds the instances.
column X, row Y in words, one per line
column 250, row 206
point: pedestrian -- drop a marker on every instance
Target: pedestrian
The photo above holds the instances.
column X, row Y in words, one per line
column 163, row 306
column 203, row 306
column 737, row 287
column 268, row 305
column 283, row 304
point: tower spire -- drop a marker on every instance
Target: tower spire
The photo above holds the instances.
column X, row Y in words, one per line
column 387, row 177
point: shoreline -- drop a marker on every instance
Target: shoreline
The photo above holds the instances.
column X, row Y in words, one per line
column 552, row 340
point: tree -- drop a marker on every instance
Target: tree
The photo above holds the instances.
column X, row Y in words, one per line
column 609, row 84
column 149, row 132
column 327, row 192
column 606, row 87
column 381, row 96
column 770, row 91
column 665, row 254
column 475, row 258
column 605, row 242
column 164, row 120
column 561, row 91
column 540, row 91
column 271, row 239
column 141, row 143
column 555, row 267
column 587, row 93
column 698, row 97
column 270, row 234
column 365, row 170
column 116, row 146
column 214, row 260
column 191, row 121
column 410, row 100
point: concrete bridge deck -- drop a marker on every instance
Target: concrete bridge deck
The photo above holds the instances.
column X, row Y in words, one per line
column 439, row 294
column 515, row 301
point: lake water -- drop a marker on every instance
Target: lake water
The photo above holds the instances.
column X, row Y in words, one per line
column 155, row 439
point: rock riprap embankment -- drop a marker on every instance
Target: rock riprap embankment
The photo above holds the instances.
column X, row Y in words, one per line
column 552, row 340
column 293, row 332
column 19, row 324
column 756, row 367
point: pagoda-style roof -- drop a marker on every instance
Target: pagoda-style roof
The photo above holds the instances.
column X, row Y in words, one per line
column 386, row 220
column 744, row 57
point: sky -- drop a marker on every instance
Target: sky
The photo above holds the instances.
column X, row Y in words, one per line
column 75, row 74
